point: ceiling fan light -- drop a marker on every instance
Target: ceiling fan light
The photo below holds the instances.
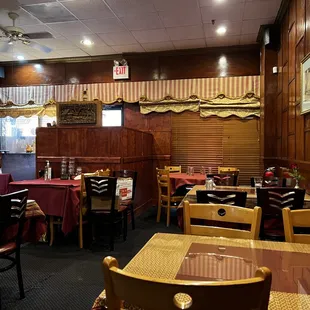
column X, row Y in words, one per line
column 20, row 57
column 10, row 42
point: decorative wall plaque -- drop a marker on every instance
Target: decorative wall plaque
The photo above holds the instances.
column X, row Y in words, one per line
column 79, row 113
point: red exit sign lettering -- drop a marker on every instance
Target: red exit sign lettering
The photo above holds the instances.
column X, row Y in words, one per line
column 120, row 72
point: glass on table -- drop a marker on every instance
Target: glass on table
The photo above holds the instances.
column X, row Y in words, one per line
column 202, row 170
column 258, row 182
column 190, row 170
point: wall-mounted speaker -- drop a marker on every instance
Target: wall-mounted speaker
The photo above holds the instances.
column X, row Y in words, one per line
column 270, row 36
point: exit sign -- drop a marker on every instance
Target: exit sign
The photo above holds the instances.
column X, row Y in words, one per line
column 120, row 72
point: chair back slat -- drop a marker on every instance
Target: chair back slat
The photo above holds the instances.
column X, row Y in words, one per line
column 151, row 293
column 236, row 198
column 174, row 169
column 12, row 211
column 163, row 181
column 224, row 179
column 296, row 218
column 272, row 200
column 222, row 213
column 100, row 192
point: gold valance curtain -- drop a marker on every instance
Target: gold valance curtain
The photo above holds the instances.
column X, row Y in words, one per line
column 237, row 95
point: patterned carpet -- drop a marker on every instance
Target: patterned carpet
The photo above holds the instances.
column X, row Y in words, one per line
column 65, row 277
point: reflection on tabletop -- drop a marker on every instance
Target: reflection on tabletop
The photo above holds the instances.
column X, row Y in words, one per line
column 206, row 262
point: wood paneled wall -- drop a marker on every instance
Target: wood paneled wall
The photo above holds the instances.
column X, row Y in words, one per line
column 202, row 63
column 290, row 142
column 100, row 148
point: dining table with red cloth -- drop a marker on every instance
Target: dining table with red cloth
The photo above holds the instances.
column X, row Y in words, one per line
column 5, row 179
column 179, row 179
column 55, row 197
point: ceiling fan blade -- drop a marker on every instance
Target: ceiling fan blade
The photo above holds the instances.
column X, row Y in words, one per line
column 3, row 30
column 39, row 47
column 38, row 35
column 5, row 47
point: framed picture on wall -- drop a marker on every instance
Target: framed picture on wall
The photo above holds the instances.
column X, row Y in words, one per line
column 305, row 84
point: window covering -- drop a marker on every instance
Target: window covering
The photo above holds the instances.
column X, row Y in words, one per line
column 211, row 96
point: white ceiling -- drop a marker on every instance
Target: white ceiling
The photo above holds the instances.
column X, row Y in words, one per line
column 121, row 26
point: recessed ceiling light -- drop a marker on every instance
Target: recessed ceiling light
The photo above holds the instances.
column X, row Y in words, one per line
column 87, row 42
column 221, row 30
column 20, row 57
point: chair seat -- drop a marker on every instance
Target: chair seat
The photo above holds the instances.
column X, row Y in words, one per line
column 172, row 199
column 7, row 248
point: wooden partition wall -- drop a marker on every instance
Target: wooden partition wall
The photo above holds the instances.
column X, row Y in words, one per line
column 100, row 148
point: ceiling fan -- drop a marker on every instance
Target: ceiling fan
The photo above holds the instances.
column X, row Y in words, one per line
column 15, row 34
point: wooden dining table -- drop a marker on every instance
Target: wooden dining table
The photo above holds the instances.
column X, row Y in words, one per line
column 186, row 257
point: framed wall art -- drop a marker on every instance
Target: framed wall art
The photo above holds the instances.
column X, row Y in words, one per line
column 72, row 113
column 305, row 85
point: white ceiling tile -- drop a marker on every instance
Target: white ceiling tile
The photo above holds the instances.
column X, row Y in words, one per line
column 70, row 28
column 72, row 53
column 133, row 48
column 218, row 2
column 104, row 25
column 184, row 44
column 186, row 33
column 233, row 28
column 76, row 39
column 41, row 28
column 182, row 17
column 118, row 38
column 41, row 55
column 4, row 57
column 147, row 36
column 158, row 46
column 88, row 9
column 24, row 18
column 142, row 22
column 232, row 12
column 124, row 8
column 223, row 41
column 175, row 5
column 248, row 39
column 99, row 50
column 253, row 25
column 51, row 12
column 57, row 44
column 23, row 2
column 261, row 9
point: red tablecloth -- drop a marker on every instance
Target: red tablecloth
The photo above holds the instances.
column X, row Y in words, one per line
column 5, row 179
column 55, row 197
column 179, row 179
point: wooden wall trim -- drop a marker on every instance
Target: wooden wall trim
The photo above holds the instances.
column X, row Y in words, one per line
column 86, row 160
column 161, row 157
column 134, row 159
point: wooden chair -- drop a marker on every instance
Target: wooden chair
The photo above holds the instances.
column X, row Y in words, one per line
column 165, row 199
column 153, row 294
column 272, row 200
column 101, row 201
column 227, row 169
column 224, row 179
column 133, row 175
column 12, row 212
column 222, row 213
column 235, row 198
column 274, row 182
column 296, row 218
column 175, row 169
column 83, row 206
